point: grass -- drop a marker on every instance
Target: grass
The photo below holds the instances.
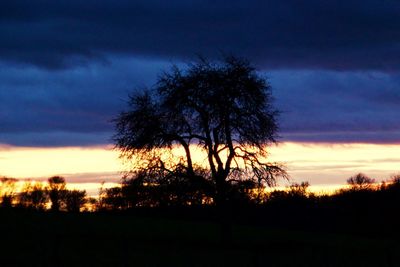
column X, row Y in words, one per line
column 45, row 239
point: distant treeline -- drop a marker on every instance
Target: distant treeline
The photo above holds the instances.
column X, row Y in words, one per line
column 139, row 192
column 53, row 196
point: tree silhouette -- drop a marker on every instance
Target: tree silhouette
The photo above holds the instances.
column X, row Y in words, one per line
column 360, row 181
column 224, row 108
column 7, row 191
column 33, row 195
column 56, row 191
column 112, row 199
column 75, row 200
column 166, row 189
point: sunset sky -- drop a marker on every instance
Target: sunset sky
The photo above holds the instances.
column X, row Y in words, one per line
column 67, row 67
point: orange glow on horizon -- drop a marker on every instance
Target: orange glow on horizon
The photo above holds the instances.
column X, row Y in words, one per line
column 28, row 162
column 323, row 165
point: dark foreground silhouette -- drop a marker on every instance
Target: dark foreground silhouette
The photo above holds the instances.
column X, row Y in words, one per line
column 159, row 238
column 354, row 227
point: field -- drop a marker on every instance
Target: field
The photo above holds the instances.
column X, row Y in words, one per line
column 46, row 239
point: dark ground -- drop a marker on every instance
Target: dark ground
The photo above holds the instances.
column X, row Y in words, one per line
column 171, row 238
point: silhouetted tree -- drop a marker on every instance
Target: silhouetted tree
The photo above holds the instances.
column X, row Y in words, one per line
column 33, row 196
column 224, row 107
column 360, row 181
column 56, row 190
column 391, row 189
column 91, row 204
column 75, row 200
column 299, row 189
column 243, row 192
column 295, row 194
column 395, row 180
column 146, row 189
column 7, row 191
column 142, row 190
column 149, row 188
column 112, row 199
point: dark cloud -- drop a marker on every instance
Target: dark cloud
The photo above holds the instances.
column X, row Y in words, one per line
column 316, row 34
column 69, row 107
column 54, row 138
column 333, row 65
column 328, row 106
column 76, row 106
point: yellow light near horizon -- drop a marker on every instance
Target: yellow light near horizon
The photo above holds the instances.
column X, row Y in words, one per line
column 323, row 165
column 327, row 163
column 27, row 162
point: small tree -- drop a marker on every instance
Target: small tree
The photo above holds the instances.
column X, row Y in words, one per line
column 393, row 184
column 224, row 108
column 299, row 190
column 360, row 181
column 395, row 179
column 75, row 200
column 33, row 196
column 56, row 190
column 7, row 191
column 112, row 199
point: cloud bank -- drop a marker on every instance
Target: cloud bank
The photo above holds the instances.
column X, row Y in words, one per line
column 66, row 67
column 339, row 35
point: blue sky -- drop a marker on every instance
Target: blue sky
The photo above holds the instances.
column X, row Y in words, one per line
column 67, row 67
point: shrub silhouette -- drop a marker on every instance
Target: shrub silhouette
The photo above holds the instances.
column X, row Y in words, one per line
column 75, row 200
column 7, row 191
column 56, row 189
column 360, row 181
column 34, row 196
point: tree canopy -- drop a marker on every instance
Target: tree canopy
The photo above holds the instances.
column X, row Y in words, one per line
column 222, row 107
column 360, row 181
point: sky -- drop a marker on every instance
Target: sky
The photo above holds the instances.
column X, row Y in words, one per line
column 67, row 67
